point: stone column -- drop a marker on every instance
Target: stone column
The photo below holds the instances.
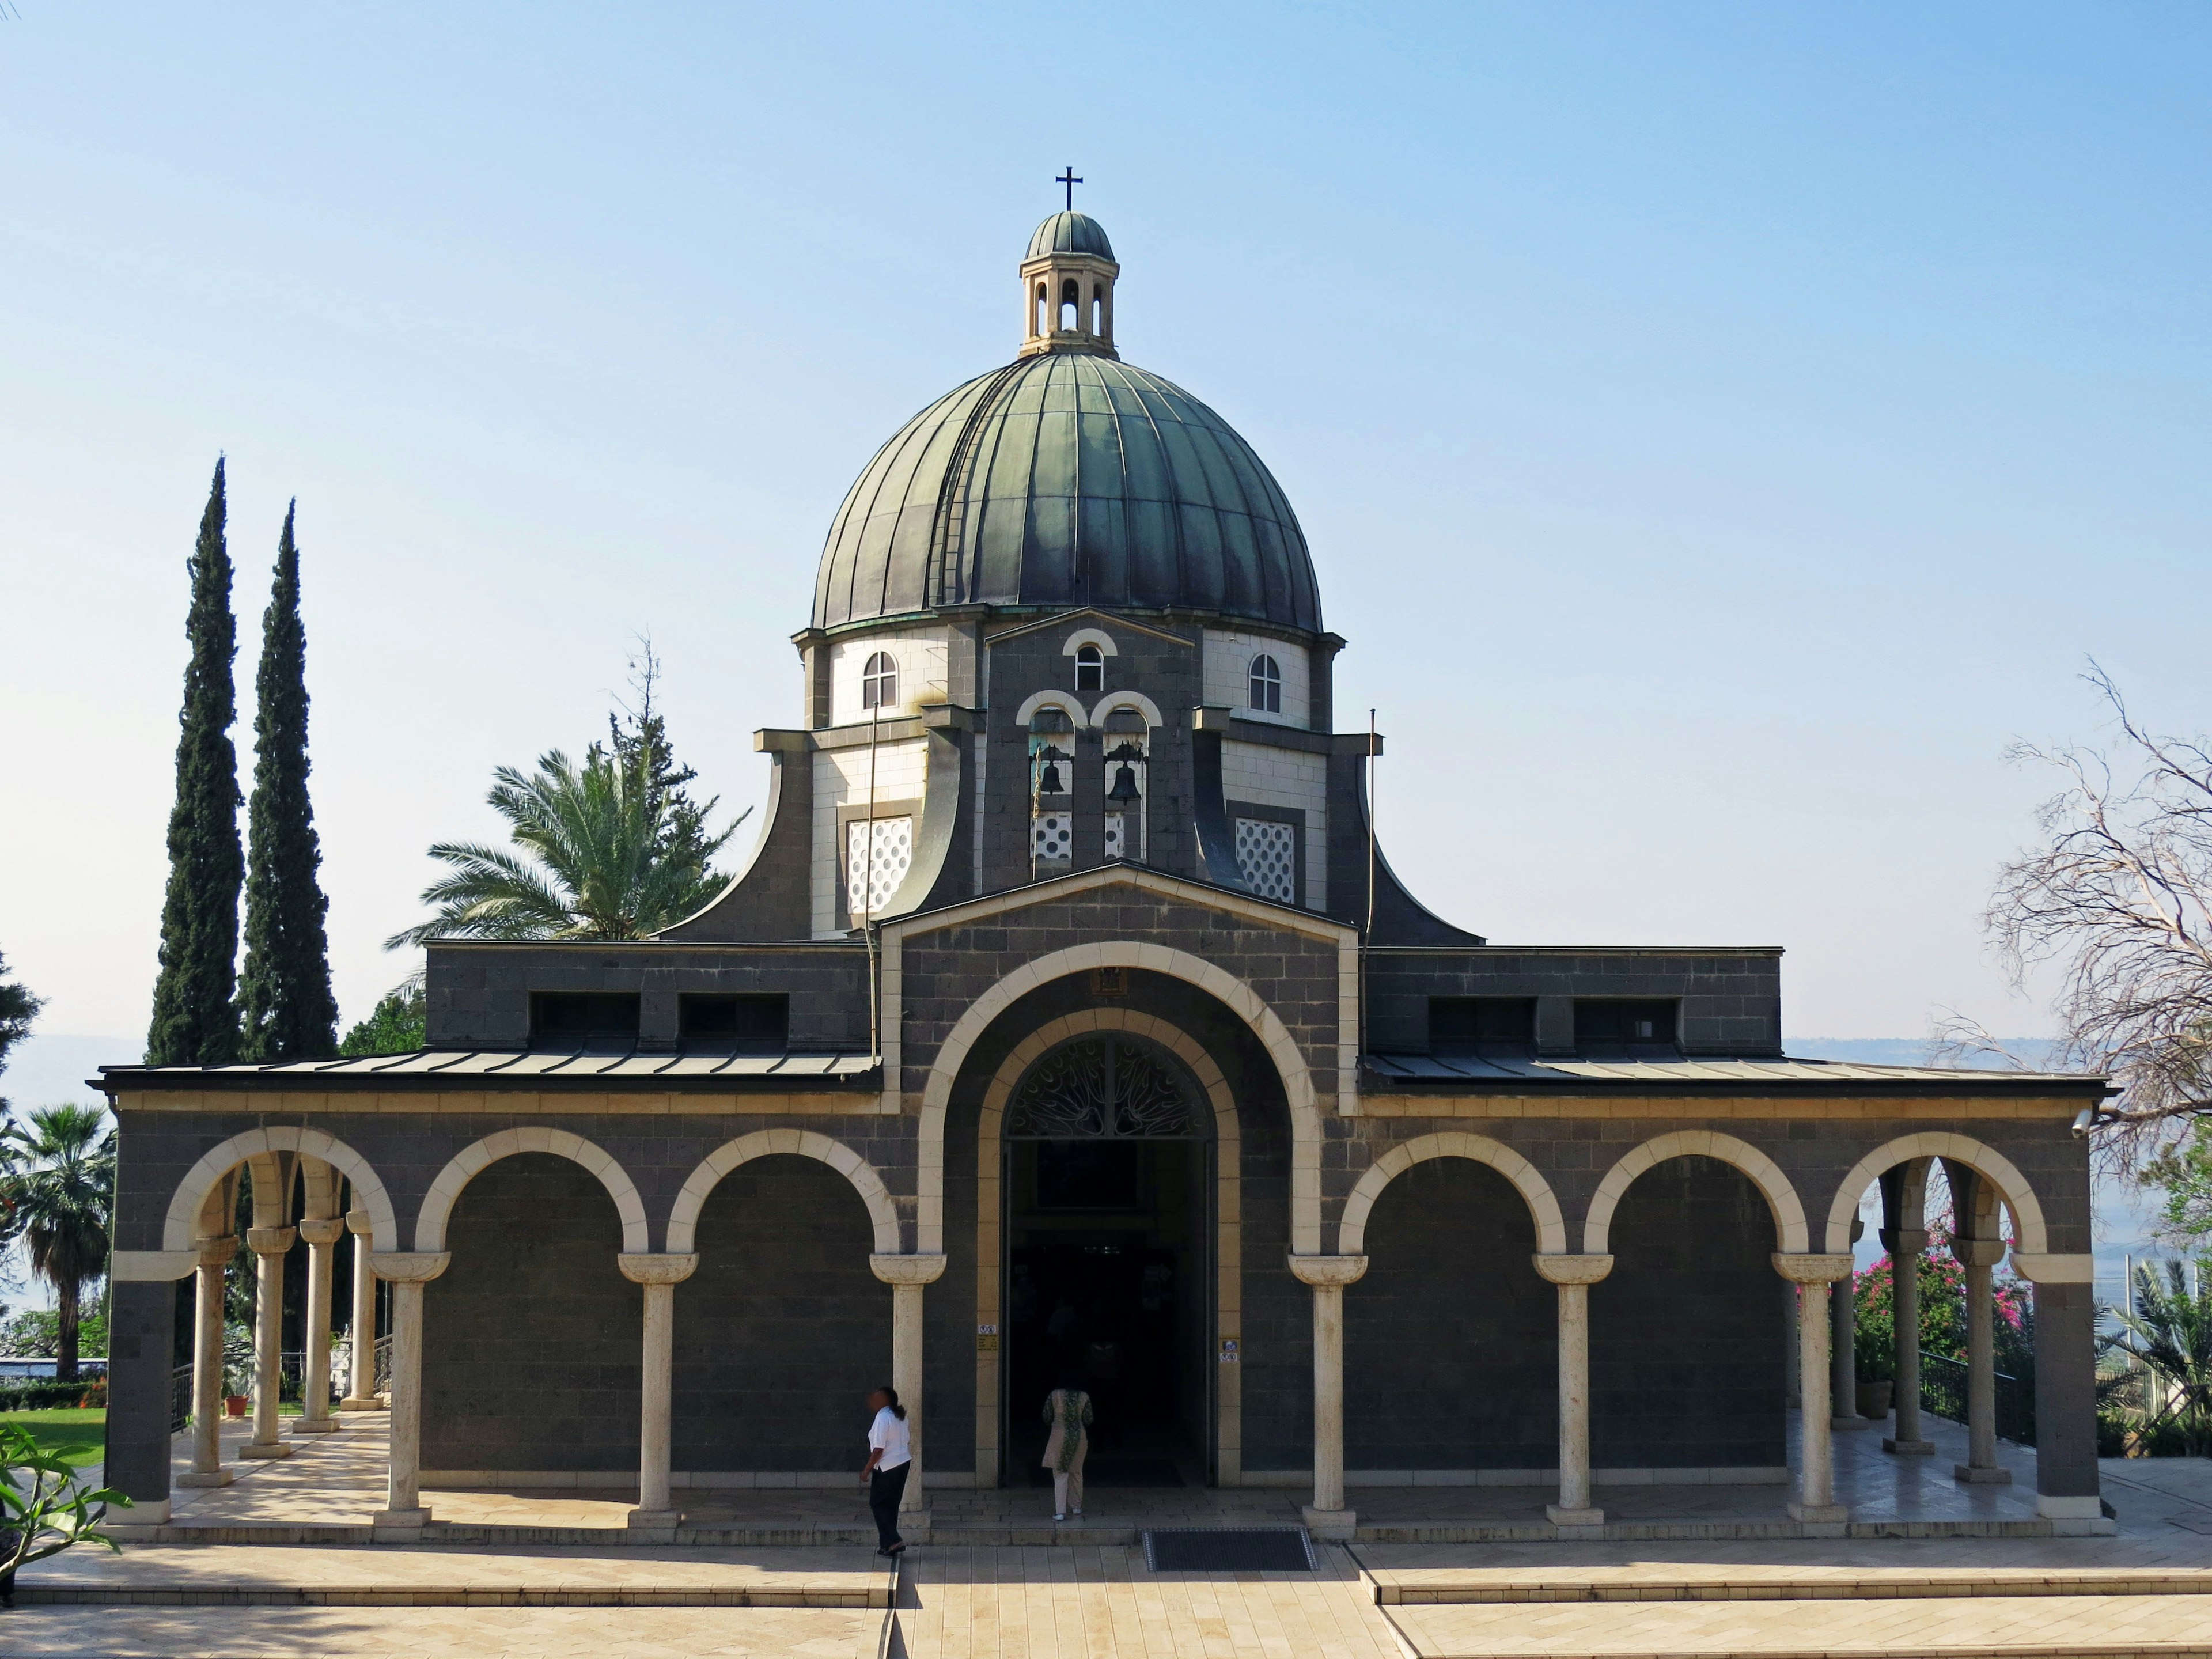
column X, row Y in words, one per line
column 1327, row 1517
column 1844, row 1388
column 360, row 1390
column 321, row 1233
column 1905, row 1245
column 659, row 1275
column 2066, row 1473
column 1815, row 1502
column 207, row 1470
column 269, row 1246
column 1976, row 1257
column 407, row 1274
column 906, row 1275
column 1574, row 1275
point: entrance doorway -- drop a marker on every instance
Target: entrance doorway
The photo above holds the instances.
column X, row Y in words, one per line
column 1108, row 1186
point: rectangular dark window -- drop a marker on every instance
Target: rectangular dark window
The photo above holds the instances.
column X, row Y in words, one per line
column 561, row 1018
column 1646, row 1024
column 1482, row 1023
column 745, row 1023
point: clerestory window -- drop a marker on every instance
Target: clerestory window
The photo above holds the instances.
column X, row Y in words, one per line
column 1266, row 684
column 879, row 682
column 1089, row 668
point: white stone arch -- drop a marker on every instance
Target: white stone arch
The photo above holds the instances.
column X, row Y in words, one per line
column 1097, row 636
column 1265, row 1023
column 438, row 1202
column 1068, row 705
column 1136, row 700
column 684, row 1218
column 1528, row 1180
column 2030, row 1236
column 1790, row 1236
column 192, row 1191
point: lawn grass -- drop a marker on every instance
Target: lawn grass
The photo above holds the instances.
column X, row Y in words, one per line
column 81, row 1435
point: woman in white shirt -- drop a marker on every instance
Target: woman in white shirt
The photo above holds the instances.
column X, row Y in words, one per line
column 885, row 1471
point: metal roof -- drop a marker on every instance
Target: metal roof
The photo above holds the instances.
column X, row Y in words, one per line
column 1782, row 1073
column 1069, row 233
column 508, row 1068
column 1067, row 478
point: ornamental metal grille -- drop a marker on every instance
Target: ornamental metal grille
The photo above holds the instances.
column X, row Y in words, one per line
column 1268, row 858
column 871, row 876
column 1103, row 1087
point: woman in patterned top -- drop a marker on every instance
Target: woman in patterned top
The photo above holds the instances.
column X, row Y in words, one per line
column 1067, row 1411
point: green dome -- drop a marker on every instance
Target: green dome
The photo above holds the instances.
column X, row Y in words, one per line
column 1067, row 478
column 1070, row 233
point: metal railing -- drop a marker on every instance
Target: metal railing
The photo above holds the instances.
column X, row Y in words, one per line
column 1944, row 1391
column 180, row 1398
column 383, row 1365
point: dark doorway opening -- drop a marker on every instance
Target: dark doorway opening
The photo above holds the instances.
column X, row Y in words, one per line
column 1108, row 1270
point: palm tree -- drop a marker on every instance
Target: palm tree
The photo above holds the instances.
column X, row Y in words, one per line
column 605, row 851
column 2168, row 1333
column 59, row 1186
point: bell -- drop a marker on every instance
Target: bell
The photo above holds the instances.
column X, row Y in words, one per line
column 1125, row 785
column 1048, row 780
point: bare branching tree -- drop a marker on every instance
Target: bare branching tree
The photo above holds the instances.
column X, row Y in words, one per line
column 2119, row 900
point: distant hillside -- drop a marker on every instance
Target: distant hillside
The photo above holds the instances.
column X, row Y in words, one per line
column 1913, row 1051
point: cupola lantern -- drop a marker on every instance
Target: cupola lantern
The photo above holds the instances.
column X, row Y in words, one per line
column 1068, row 288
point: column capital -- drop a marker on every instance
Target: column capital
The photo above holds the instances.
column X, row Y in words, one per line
column 908, row 1269
column 1573, row 1269
column 1328, row 1270
column 360, row 1221
column 270, row 1241
column 409, row 1267
column 2043, row 1268
column 215, row 1252
column 643, row 1269
column 1904, row 1240
column 1807, row 1269
column 1978, row 1252
column 323, row 1230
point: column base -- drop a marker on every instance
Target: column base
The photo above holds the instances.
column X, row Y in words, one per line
column 1560, row 1516
column 2069, row 1509
column 1846, row 1423
column 415, row 1518
column 1977, row 1477
column 142, row 1516
column 317, row 1425
column 207, row 1478
column 255, row 1448
column 359, row 1403
column 1819, row 1515
column 653, row 1520
column 1331, row 1525
column 1908, row 1447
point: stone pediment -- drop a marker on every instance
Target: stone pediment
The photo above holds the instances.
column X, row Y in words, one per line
column 1176, row 891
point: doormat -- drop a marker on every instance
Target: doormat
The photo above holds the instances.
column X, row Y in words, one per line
column 1229, row 1549
column 1120, row 1473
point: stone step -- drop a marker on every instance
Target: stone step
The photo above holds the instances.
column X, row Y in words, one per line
column 1645, row 1582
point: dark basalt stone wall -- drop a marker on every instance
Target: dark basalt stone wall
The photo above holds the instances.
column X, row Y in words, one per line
column 783, row 1330
column 1688, row 1333
column 1277, row 1334
column 1451, row 1350
column 530, row 1338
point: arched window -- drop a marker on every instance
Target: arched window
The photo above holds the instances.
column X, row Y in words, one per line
column 879, row 682
column 1089, row 668
column 1071, row 304
column 1267, row 684
column 1040, row 323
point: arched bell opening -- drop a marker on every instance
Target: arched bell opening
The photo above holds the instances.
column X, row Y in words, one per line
column 1051, row 791
column 1128, row 769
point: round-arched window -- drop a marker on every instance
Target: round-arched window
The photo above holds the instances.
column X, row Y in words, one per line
column 1267, row 682
column 1107, row 1087
column 1089, row 668
column 879, row 682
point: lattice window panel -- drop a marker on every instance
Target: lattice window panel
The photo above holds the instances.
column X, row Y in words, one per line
column 1115, row 821
column 1052, row 837
column 871, row 876
column 1267, row 857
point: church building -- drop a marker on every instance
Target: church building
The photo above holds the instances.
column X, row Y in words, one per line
column 1067, row 1026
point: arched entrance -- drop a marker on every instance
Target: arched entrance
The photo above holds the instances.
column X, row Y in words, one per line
column 1107, row 1178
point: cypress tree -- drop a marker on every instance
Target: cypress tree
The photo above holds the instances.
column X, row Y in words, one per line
column 286, row 1011
column 194, row 1023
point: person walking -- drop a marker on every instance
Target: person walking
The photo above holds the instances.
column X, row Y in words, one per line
column 889, row 1462
column 1067, row 1411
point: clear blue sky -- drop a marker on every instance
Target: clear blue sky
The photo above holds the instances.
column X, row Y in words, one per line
column 1720, row 428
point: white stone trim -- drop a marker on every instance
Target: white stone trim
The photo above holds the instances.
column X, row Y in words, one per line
column 1228, row 1220
column 2041, row 1269
column 2030, row 1236
column 192, row 1192
column 1755, row 1475
column 1136, row 700
column 1268, row 1025
column 1097, row 636
column 150, row 1266
column 1528, row 1180
column 438, row 1202
column 1061, row 700
column 883, row 1213
column 1764, row 1173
